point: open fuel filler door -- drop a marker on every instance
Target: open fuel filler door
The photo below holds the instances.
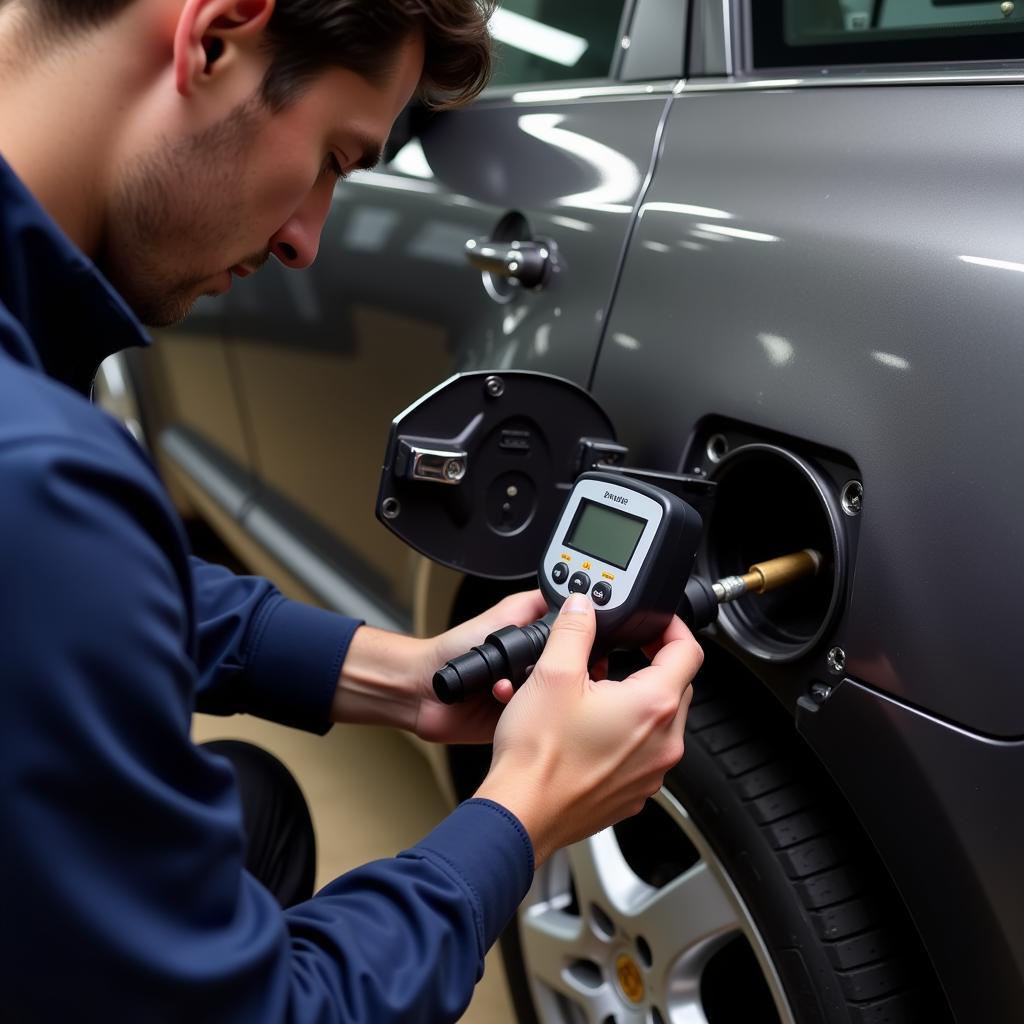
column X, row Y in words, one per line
column 477, row 471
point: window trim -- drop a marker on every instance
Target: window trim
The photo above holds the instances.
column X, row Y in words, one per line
column 582, row 89
column 867, row 78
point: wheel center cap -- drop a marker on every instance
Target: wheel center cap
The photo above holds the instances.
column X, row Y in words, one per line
column 631, row 981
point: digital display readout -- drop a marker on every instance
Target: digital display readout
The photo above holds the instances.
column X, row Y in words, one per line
column 605, row 533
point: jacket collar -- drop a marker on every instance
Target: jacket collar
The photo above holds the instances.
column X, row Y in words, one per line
column 72, row 316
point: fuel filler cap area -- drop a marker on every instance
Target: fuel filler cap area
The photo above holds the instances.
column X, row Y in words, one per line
column 478, row 469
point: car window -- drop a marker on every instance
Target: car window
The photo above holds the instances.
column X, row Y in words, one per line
column 791, row 33
column 552, row 40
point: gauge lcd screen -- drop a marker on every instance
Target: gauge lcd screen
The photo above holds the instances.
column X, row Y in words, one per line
column 605, row 533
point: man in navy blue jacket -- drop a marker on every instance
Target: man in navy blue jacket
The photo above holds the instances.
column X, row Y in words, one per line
column 149, row 149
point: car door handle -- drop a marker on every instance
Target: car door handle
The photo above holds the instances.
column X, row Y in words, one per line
column 529, row 263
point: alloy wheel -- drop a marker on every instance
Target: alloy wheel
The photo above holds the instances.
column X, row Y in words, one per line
column 640, row 924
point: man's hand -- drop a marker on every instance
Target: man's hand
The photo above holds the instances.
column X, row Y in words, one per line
column 387, row 678
column 572, row 754
column 474, row 720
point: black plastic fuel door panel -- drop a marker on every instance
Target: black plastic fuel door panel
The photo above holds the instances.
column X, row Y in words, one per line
column 476, row 472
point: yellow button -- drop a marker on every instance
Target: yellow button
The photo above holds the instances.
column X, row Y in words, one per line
column 565, row 557
column 586, row 565
column 607, row 576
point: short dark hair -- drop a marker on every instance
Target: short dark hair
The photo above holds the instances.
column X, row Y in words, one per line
column 306, row 37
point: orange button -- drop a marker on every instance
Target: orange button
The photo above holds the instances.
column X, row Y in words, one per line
column 586, row 565
column 565, row 557
column 607, row 576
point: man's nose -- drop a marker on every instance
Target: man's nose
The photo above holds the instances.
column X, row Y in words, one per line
column 297, row 241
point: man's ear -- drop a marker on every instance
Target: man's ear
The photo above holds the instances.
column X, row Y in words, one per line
column 209, row 34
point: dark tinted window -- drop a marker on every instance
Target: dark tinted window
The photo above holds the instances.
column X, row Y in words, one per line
column 789, row 33
column 552, row 40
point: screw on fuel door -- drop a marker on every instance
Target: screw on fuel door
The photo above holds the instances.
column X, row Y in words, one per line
column 836, row 661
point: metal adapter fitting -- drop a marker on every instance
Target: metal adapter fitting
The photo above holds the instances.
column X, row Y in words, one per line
column 769, row 575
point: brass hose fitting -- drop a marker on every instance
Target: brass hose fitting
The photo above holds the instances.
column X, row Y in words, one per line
column 769, row 575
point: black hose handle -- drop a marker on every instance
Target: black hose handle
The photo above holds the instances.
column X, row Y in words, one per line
column 509, row 653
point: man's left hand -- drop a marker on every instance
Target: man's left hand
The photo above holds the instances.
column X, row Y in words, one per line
column 387, row 679
column 474, row 720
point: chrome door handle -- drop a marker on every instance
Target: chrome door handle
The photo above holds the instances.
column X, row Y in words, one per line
column 529, row 263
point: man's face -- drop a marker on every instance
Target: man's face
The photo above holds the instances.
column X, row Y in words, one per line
column 189, row 212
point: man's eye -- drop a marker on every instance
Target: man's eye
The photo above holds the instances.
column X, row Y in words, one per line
column 334, row 166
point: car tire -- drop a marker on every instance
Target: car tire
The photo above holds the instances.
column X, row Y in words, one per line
column 820, row 934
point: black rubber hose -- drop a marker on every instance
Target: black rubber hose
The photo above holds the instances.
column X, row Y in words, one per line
column 510, row 653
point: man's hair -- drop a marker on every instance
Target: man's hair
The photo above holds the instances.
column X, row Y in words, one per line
column 307, row 37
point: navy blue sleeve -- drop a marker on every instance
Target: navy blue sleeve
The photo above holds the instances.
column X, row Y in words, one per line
column 264, row 655
column 121, row 844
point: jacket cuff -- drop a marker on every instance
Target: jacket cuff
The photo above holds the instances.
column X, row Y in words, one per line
column 490, row 853
column 295, row 662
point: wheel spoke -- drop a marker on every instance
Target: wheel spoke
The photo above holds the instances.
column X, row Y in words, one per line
column 551, row 941
column 691, row 916
column 690, row 1013
column 602, row 876
column 609, row 1007
column 621, row 1015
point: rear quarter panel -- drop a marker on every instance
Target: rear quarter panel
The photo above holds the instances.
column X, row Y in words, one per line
column 845, row 265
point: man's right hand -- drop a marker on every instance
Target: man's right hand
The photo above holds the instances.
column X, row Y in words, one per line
column 573, row 755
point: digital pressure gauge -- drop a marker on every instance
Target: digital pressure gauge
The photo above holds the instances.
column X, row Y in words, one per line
column 628, row 546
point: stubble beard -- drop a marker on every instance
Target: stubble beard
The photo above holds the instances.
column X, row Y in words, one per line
column 174, row 212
